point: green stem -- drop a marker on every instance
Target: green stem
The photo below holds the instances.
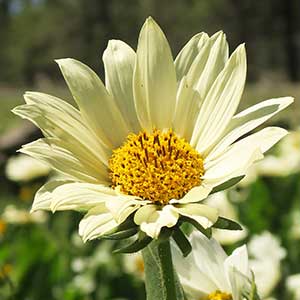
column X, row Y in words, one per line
column 161, row 279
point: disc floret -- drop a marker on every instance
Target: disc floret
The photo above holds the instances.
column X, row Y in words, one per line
column 157, row 166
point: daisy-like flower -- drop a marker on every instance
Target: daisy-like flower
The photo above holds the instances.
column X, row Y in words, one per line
column 209, row 274
column 155, row 140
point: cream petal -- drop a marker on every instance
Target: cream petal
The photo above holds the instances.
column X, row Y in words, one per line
column 237, row 159
column 43, row 197
column 154, row 80
column 221, row 102
column 123, row 206
column 79, row 196
column 58, row 119
column 62, row 160
column 196, row 194
column 215, row 62
column 189, row 52
column 152, row 219
column 190, row 276
column 97, row 222
column 144, row 213
column 119, row 61
column 186, row 111
column 201, row 213
column 209, row 259
column 248, row 120
column 97, row 107
column 239, row 260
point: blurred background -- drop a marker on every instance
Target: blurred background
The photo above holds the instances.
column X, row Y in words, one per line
column 41, row 256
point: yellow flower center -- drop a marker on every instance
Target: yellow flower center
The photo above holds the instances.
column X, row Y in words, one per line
column 159, row 166
column 217, row 295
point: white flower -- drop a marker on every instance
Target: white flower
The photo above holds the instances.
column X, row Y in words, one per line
column 293, row 286
column 208, row 273
column 155, row 139
column 134, row 264
column 25, row 168
column 14, row 215
column 266, row 254
column 221, row 202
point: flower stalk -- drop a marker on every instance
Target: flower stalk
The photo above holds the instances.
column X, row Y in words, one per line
column 160, row 276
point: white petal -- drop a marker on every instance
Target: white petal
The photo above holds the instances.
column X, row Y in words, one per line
column 209, row 258
column 123, row 206
column 248, row 120
column 97, row 222
column 80, row 196
column 43, row 197
column 62, row 160
column 241, row 155
column 195, row 283
column 239, row 260
column 187, row 55
column 119, row 60
column 203, row 214
column 56, row 118
column 97, row 107
column 151, row 220
column 218, row 55
column 196, row 194
column 187, row 110
column 154, row 79
column 221, row 102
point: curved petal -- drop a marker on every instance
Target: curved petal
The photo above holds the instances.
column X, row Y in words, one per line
column 79, row 196
column 189, row 52
column 190, row 276
column 123, row 206
column 221, row 102
column 209, row 259
column 151, row 219
column 187, row 110
column 215, row 62
column 97, row 222
column 154, row 80
column 62, row 160
column 119, row 60
column 237, row 159
column 196, row 194
column 43, row 197
column 201, row 213
column 248, row 120
column 56, row 118
column 239, row 260
column 97, row 107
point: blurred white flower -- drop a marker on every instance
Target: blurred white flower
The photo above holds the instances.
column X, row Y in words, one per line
column 221, row 202
column 14, row 215
column 133, row 264
column 208, row 273
column 79, row 264
column 25, row 168
column 295, row 225
column 266, row 254
column 293, row 286
column 84, row 282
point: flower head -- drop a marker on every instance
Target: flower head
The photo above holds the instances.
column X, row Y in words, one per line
column 143, row 150
column 208, row 273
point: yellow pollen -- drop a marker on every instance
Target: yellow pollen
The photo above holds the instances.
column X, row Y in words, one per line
column 159, row 166
column 217, row 295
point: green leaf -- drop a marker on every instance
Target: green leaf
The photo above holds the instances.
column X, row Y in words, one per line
column 226, row 185
column 121, row 234
column 182, row 242
column 206, row 232
column 161, row 280
column 136, row 246
column 223, row 223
